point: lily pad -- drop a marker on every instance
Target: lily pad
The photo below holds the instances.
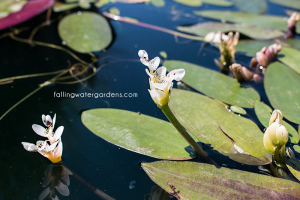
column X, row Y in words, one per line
column 31, row 9
column 193, row 3
column 139, row 133
column 10, row 6
column 267, row 21
column 252, row 31
column 214, row 84
column 191, row 180
column 238, row 109
column 223, row 3
column 158, row 3
column 264, row 112
column 212, row 124
column 283, row 91
column 250, row 47
column 290, row 58
column 294, row 166
column 253, row 6
column 288, row 3
column 297, row 148
column 85, row 32
column 60, row 7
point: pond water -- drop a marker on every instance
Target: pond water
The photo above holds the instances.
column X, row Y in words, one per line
column 95, row 163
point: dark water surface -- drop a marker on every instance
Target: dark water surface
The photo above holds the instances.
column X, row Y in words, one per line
column 101, row 164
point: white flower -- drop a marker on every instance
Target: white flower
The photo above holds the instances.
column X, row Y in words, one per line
column 53, row 152
column 48, row 132
column 215, row 37
column 160, row 83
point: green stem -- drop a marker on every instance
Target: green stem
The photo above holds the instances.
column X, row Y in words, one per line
column 168, row 113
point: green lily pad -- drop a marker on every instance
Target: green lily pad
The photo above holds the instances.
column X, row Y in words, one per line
column 283, row 91
column 250, row 47
column 163, row 54
column 294, row 166
column 290, row 58
column 296, row 148
column 255, row 32
column 214, row 84
column 218, row 2
column 10, row 6
column 85, row 32
column 267, row 21
column 191, row 180
column 288, row 3
column 158, row 3
column 139, row 133
column 193, row 3
column 264, row 112
column 212, row 124
column 60, row 7
column 238, row 109
column 253, row 6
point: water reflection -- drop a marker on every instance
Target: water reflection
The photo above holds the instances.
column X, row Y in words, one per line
column 57, row 175
column 157, row 193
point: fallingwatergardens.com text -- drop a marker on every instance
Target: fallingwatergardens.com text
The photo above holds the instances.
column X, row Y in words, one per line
column 63, row 94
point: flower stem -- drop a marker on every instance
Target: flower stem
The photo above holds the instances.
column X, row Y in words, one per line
column 168, row 113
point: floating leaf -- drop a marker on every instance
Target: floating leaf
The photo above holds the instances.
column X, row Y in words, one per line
column 255, row 32
column 191, row 180
column 294, row 166
column 297, row 148
column 212, row 124
column 139, row 133
column 10, row 6
column 288, row 3
column 250, row 47
column 290, row 58
column 238, row 109
column 283, row 91
column 114, row 11
column 253, row 6
column 264, row 112
column 59, row 7
column 163, row 54
column 214, row 84
column 193, row 3
column 267, row 21
column 218, row 2
column 31, row 9
column 86, row 32
column 158, row 3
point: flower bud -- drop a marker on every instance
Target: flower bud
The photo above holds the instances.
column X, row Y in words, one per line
column 268, row 54
column 241, row 73
column 291, row 32
column 276, row 117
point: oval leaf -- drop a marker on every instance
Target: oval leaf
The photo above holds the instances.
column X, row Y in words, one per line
column 31, row 9
column 296, row 148
column 255, row 32
column 213, row 124
column 294, row 166
column 267, row 21
column 139, row 133
column 193, row 3
column 86, row 32
column 290, row 58
column 191, row 180
column 218, row 2
column 253, row 6
column 288, row 3
column 283, row 91
column 214, row 84
column 238, row 109
column 264, row 112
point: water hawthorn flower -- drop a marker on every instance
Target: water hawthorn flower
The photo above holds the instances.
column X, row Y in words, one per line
column 291, row 32
column 160, row 83
column 276, row 135
column 51, row 148
column 267, row 55
column 213, row 37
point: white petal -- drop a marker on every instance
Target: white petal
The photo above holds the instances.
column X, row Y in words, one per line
column 210, row 37
column 54, row 119
column 150, row 75
column 44, row 144
column 160, row 86
column 176, row 74
column 162, row 72
column 44, row 120
column 48, row 119
column 58, row 150
column 58, row 133
column 29, row 146
column 39, row 130
column 153, row 64
column 62, row 189
column 143, row 54
column 51, row 147
column 157, row 95
column 144, row 62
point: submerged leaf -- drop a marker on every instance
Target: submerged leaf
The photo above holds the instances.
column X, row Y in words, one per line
column 211, row 123
column 288, row 3
column 283, row 91
column 191, row 180
column 264, row 112
column 252, row 6
column 214, row 84
column 252, row 31
column 139, row 133
column 85, row 32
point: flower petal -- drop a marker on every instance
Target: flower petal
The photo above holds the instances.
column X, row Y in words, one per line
column 38, row 129
column 44, row 144
column 58, row 133
column 159, row 86
column 209, row 37
column 54, row 119
column 150, row 75
column 143, row 54
column 44, row 119
column 153, row 64
column 58, row 150
column 162, row 72
column 176, row 74
column 29, row 147
column 51, row 147
column 158, row 96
